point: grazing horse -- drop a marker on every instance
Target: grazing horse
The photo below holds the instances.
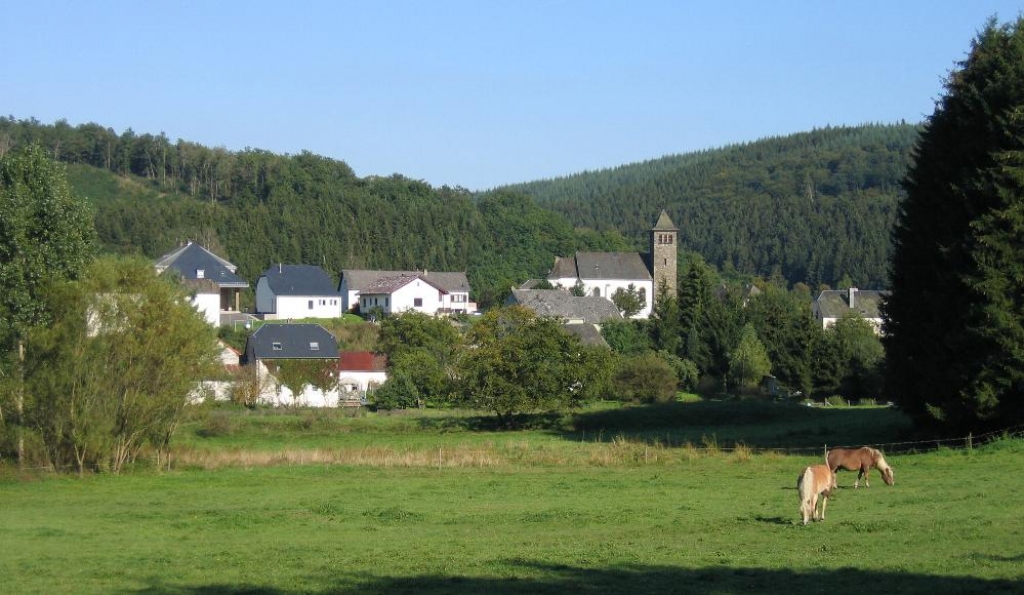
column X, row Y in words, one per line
column 814, row 481
column 862, row 460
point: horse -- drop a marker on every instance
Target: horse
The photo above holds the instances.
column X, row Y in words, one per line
column 814, row 481
column 862, row 460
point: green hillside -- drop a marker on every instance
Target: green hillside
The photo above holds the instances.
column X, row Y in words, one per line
column 815, row 207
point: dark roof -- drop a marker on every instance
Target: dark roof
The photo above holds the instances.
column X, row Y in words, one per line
column 358, row 280
column 612, row 265
column 835, row 303
column 562, row 304
column 291, row 341
column 664, row 223
column 298, row 279
column 190, row 259
column 588, row 334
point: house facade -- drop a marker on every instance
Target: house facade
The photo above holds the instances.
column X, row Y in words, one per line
column 358, row 373
column 601, row 274
column 287, row 291
column 354, row 284
column 272, row 344
column 834, row 304
column 203, row 270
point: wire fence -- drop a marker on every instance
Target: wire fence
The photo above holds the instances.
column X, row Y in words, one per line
column 908, row 447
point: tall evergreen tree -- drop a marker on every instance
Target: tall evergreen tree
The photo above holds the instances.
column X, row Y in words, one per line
column 954, row 324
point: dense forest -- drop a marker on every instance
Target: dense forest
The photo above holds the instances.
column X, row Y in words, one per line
column 814, row 207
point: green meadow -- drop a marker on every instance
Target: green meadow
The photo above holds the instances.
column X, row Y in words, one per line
column 695, row 497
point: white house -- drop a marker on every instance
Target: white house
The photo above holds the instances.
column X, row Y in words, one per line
column 833, row 304
column 358, row 373
column 286, row 291
column 203, row 271
column 354, row 282
column 418, row 292
column 273, row 343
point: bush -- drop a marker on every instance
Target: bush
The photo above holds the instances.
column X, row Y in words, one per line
column 836, row 401
column 645, row 378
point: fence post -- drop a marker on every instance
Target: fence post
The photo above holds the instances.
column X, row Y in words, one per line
column 970, row 441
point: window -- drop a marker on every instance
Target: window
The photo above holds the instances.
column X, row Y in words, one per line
column 314, row 346
column 385, row 302
column 276, row 346
column 310, row 304
column 200, row 274
column 418, row 302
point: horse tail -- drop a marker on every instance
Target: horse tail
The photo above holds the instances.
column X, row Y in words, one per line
column 805, row 489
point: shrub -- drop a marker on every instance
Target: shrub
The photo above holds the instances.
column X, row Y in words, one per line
column 645, row 378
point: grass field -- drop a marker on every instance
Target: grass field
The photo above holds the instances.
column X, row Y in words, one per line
column 544, row 510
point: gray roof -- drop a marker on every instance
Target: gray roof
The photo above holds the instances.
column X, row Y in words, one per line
column 589, row 334
column 291, row 341
column 299, row 279
column 664, row 223
column 835, row 303
column 556, row 303
column 602, row 265
column 191, row 258
column 359, row 280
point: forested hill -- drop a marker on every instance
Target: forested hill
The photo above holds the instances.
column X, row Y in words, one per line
column 818, row 205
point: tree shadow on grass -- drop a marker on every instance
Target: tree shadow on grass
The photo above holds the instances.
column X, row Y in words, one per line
column 542, row 578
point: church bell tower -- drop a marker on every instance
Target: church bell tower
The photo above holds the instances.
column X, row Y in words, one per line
column 664, row 255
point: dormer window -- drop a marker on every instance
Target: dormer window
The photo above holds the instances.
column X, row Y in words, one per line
column 276, row 346
column 314, row 346
column 200, row 274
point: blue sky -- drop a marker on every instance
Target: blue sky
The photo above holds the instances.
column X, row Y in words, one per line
column 479, row 93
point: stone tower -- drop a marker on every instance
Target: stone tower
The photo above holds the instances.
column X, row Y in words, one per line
column 664, row 255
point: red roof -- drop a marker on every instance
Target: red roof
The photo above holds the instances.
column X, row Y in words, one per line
column 361, row 361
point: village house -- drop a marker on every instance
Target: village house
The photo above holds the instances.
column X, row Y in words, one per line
column 296, row 291
column 833, row 304
column 359, row 372
column 283, row 342
column 394, row 292
column 215, row 285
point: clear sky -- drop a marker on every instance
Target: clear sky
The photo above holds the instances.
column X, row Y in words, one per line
column 481, row 93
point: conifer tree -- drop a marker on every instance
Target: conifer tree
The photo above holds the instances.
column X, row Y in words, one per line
column 954, row 324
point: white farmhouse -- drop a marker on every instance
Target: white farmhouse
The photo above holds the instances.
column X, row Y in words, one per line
column 449, row 294
column 287, row 291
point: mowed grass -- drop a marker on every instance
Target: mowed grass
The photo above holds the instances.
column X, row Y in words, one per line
column 559, row 517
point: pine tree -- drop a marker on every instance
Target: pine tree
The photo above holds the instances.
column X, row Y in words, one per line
column 954, row 324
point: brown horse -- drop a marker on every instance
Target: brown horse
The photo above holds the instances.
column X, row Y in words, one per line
column 862, row 460
column 814, row 481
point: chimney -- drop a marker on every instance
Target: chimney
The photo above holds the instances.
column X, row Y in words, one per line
column 853, row 293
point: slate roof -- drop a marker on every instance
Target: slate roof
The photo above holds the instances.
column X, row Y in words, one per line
column 835, row 303
column 588, row 334
column 299, row 279
column 562, row 304
column 359, row 280
column 293, row 341
column 187, row 260
column 664, row 223
column 602, row 265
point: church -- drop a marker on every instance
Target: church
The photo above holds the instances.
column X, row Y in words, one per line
column 601, row 274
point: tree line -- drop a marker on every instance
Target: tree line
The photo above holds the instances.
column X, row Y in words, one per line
column 815, row 207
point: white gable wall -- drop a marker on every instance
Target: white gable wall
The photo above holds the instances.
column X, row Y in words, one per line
column 208, row 304
column 308, row 306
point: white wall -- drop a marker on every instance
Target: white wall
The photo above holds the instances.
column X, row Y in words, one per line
column 208, row 304
column 298, row 306
column 608, row 287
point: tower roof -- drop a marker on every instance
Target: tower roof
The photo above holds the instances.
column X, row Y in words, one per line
column 664, row 223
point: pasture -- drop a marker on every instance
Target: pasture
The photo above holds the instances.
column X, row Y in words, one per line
column 430, row 504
